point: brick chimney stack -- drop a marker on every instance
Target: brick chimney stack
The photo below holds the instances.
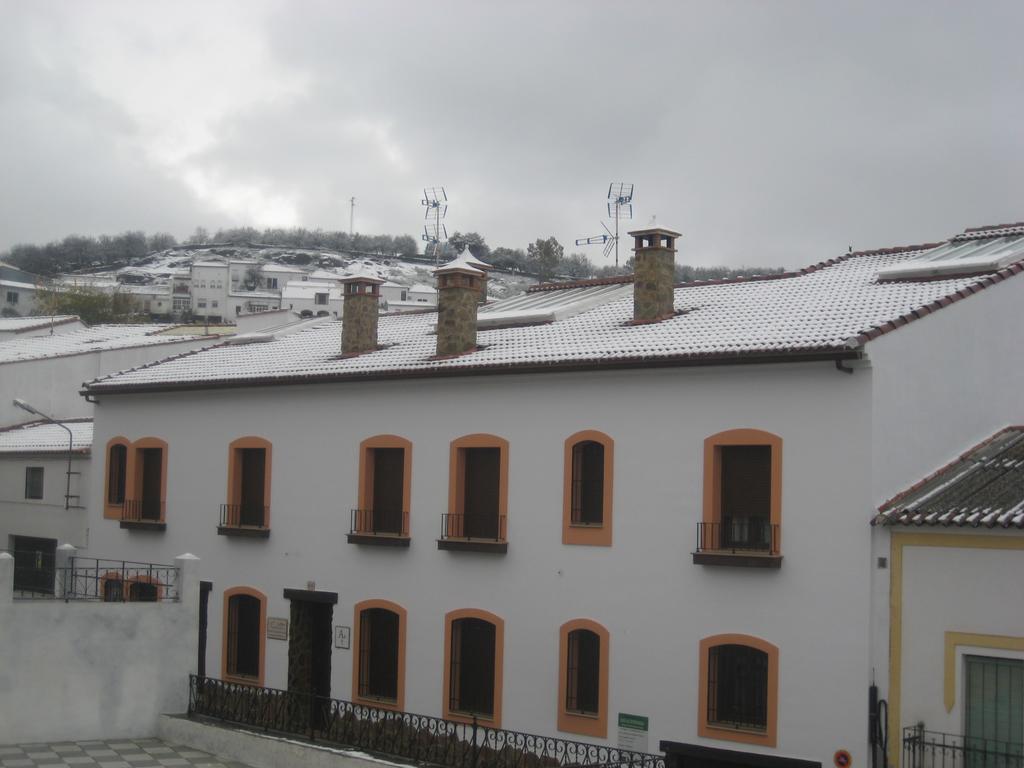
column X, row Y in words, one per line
column 458, row 293
column 653, row 274
column 360, row 307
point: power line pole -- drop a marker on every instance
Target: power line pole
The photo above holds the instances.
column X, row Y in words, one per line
column 351, row 216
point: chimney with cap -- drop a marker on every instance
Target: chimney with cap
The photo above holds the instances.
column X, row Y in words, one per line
column 458, row 294
column 360, row 307
column 653, row 274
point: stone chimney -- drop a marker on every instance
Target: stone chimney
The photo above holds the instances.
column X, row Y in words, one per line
column 653, row 274
column 359, row 310
column 458, row 294
column 467, row 259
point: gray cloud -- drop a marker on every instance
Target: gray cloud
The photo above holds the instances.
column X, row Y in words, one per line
column 769, row 133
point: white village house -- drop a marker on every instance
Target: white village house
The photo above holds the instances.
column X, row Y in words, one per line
column 607, row 498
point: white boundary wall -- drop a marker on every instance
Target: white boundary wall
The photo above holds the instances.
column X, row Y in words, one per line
column 91, row 670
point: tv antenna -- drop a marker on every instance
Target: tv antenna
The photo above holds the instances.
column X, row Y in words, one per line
column 435, row 203
column 351, row 216
column 620, row 206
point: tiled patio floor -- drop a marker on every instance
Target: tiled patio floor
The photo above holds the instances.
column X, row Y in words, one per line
column 117, row 753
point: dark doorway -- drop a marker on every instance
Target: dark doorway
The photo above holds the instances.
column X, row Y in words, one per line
column 251, row 502
column 310, row 637
column 746, row 496
column 482, row 492
column 34, row 564
column 388, row 489
column 204, row 619
column 378, row 654
column 681, row 755
column 471, row 687
column 152, row 482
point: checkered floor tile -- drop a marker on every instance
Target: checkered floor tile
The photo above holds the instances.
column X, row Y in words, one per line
column 122, row 753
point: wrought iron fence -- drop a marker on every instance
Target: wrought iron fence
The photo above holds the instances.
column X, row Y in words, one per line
column 404, row 735
column 739, row 534
column 244, row 515
column 112, row 581
column 485, row 527
column 370, row 522
column 930, row 749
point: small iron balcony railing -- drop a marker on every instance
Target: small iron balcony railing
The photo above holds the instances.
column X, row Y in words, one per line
column 375, row 522
column 930, row 749
column 473, row 526
column 244, row 515
column 739, row 534
column 143, row 511
column 409, row 737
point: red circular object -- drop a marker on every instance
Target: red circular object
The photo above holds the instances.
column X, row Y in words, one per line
column 842, row 759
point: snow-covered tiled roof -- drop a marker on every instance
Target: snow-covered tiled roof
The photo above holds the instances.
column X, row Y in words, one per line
column 44, row 437
column 16, row 284
column 24, row 324
column 95, row 339
column 982, row 488
column 829, row 309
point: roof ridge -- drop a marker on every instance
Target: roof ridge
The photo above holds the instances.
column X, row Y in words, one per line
column 150, row 364
column 994, row 226
column 583, row 283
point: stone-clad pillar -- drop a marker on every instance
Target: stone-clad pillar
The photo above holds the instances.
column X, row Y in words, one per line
column 653, row 274
column 458, row 295
column 360, row 310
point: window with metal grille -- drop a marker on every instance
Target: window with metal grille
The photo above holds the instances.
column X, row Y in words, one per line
column 378, row 654
column 738, row 687
column 149, row 482
column 117, row 473
column 252, row 463
column 993, row 709
column 33, row 482
column 746, row 491
column 583, row 672
column 471, row 682
column 243, row 636
column 113, row 590
column 588, row 483
column 143, row 592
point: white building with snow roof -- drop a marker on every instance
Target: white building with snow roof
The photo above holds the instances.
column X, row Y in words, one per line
column 606, row 501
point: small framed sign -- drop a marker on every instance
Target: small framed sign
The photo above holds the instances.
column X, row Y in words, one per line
column 342, row 637
column 277, row 629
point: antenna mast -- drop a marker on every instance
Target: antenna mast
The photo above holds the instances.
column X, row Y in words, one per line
column 435, row 203
column 620, row 206
column 351, row 216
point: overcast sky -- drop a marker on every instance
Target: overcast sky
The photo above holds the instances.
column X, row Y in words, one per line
column 766, row 132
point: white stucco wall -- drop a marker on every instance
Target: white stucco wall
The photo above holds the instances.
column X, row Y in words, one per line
column 954, row 589
column 52, row 384
column 656, row 604
column 44, row 518
column 91, row 670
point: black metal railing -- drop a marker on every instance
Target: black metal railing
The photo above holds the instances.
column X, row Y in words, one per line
column 112, row 581
column 403, row 735
column 371, row 522
column 930, row 749
column 244, row 515
column 739, row 534
column 143, row 511
column 483, row 527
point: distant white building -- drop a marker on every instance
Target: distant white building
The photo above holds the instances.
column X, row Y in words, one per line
column 273, row 277
column 210, row 285
column 18, row 298
column 311, row 298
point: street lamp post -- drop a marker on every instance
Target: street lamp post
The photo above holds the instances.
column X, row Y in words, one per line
column 18, row 402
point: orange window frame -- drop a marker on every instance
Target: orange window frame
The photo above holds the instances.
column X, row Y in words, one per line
column 235, row 472
column 262, row 639
column 398, row 705
column 457, row 480
column 769, row 736
column 576, row 722
column 366, row 468
column 114, row 511
column 499, row 655
column 712, row 506
column 575, row 533
column 134, row 471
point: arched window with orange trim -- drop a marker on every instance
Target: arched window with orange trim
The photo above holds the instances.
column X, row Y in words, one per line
column 115, row 481
column 378, row 658
column 146, row 488
column 473, row 658
column 248, row 497
column 385, row 475
column 477, row 493
column 739, row 689
column 587, row 494
column 742, row 510
column 583, row 650
column 245, row 622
